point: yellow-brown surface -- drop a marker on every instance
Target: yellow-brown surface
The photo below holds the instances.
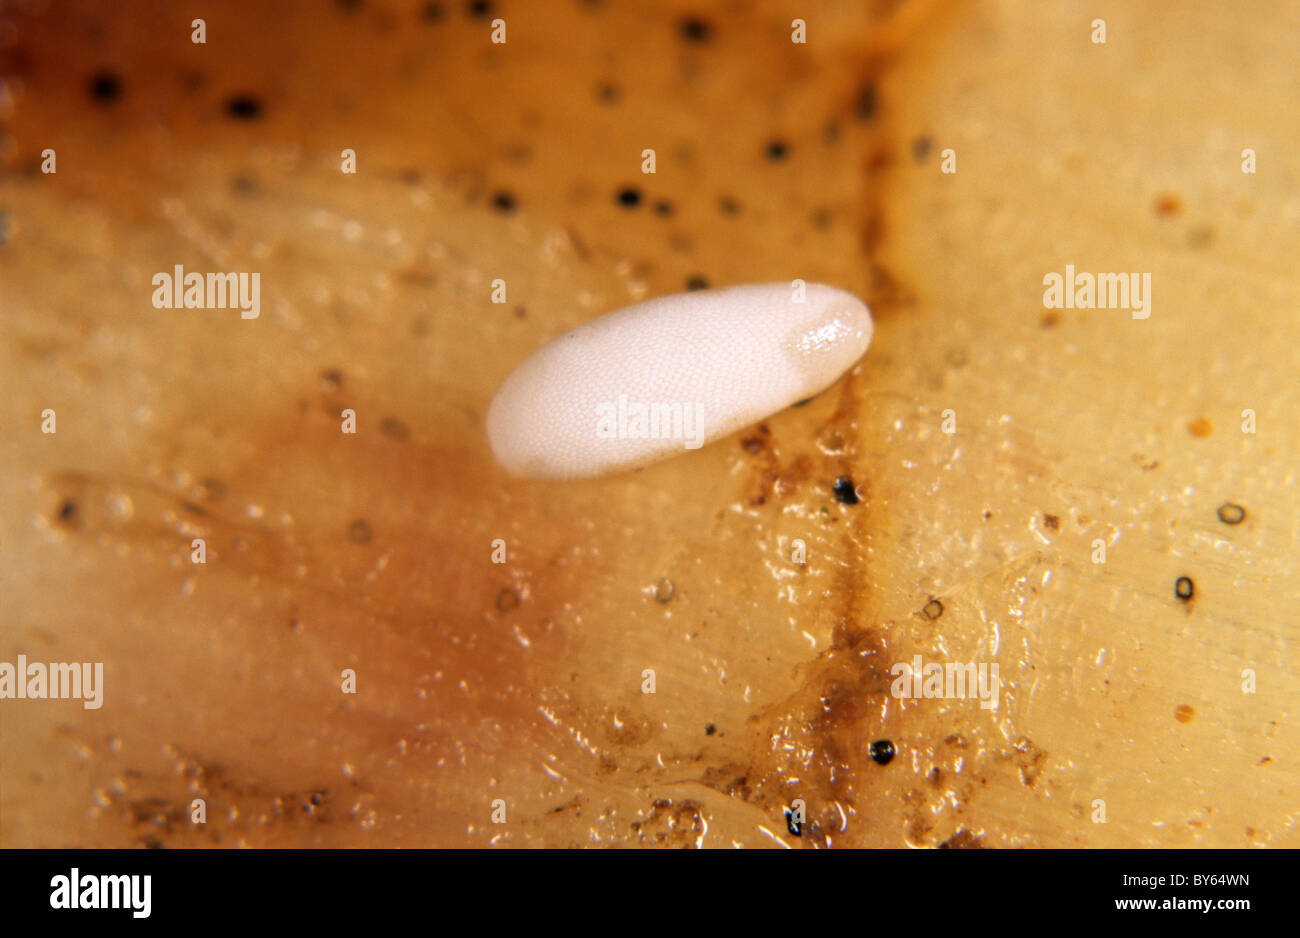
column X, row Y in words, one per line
column 1122, row 718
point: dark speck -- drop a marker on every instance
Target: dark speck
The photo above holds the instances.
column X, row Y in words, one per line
column 432, row 12
column 1184, row 588
column 803, row 403
column 881, row 752
column 845, row 493
column 331, row 379
column 777, row 151
column 1202, row 236
column 728, row 206
column 503, row 202
column 696, row 283
column 360, row 532
column 105, row 87
column 933, row 609
column 213, row 489
column 1230, row 513
column 1052, row 522
column 710, row 730
column 507, row 600
column 68, row 511
column 394, row 429
column 349, row 5
column 479, row 9
column 663, row 208
column 243, row 184
column 921, row 148
column 693, row 29
column 608, row 93
column 244, row 107
column 628, row 197
column 866, row 107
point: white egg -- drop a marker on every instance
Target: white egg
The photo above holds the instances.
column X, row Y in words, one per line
column 670, row 374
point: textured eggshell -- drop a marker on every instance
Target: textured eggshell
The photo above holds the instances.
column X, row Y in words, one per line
column 737, row 354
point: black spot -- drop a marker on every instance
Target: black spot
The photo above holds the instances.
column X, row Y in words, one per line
column 503, row 202
column 866, row 106
column 1231, row 513
column 105, row 87
column 432, row 12
column 1184, row 588
column 845, row 492
column 710, row 730
column 933, row 609
column 608, row 92
column 360, row 532
column 244, row 107
column 777, row 151
column 792, row 823
column 478, row 9
column 693, row 29
column 628, row 197
column 696, row 283
column 881, row 752
column 68, row 511
column 663, row 208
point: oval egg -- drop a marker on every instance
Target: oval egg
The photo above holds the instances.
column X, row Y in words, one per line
column 671, row 374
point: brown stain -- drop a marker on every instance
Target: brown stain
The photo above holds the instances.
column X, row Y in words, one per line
column 963, row 840
column 1200, row 427
column 821, row 735
column 1029, row 759
column 1168, row 205
column 1184, row 713
column 416, row 619
column 1052, row 522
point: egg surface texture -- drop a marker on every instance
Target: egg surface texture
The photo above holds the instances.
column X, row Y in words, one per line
column 670, row 374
